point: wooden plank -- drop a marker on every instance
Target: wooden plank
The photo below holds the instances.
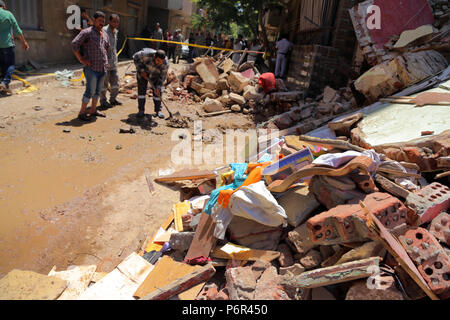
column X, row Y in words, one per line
column 180, row 210
column 181, row 284
column 78, row 278
column 122, row 282
column 187, row 175
column 250, row 255
column 204, row 239
column 165, row 272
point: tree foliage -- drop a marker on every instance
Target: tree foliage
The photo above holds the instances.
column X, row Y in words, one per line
column 246, row 14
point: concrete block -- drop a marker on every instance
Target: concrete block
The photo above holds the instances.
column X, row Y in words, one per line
column 311, row 260
column 211, row 105
column 300, row 238
column 253, row 235
column 241, row 283
column 299, row 204
column 268, row 286
column 240, row 100
column 285, row 259
column 237, row 82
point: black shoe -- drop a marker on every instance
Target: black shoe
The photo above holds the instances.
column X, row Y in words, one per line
column 84, row 117
column 98, row 114
column 104, row 105
column 116, row 103
column 140, row 115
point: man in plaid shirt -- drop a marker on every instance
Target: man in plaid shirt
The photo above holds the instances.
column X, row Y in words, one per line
column 151, row 66
column 95, row 42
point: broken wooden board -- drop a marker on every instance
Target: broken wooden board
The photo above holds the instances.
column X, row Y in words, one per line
column 335, row 274
column 28, row 285
column 165, row 272
column 187, row 175
column 359, row 163
column 78, row 278
column 245, row 254
column 180, row 210
column 394, row 247
column 409, row 36
column 184, row 283
column 204, row 239
column 122, row 282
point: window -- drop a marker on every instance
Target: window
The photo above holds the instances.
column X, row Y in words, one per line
column 28, row 13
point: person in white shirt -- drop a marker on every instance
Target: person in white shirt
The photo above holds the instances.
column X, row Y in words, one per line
column 283, row 48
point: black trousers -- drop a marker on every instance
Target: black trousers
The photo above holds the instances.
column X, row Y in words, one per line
column 142, row 93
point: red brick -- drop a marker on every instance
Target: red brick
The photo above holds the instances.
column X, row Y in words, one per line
column 440, row 228
column 241, row 283
column 432, row 200
column 430, row 258
column 389, row 210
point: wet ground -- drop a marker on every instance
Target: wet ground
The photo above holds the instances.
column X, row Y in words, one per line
column 73, row 193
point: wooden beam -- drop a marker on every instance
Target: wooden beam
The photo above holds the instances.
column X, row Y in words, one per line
column 182, row 284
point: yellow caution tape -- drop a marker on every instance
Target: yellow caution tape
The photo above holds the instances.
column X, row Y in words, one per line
column 29, row 87
column 193, row 45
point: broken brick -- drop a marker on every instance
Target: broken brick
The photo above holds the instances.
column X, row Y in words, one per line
column 429, row 257
column 295, row 270
column 360, row 291
column 241, row 283
column 299, row 204
column 285, row 259
column 300, row 238
column 440, row 228
column 311, row 260
column 428, row 202
column 268, row 286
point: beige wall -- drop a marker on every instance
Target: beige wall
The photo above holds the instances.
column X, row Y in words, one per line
column 53, row 43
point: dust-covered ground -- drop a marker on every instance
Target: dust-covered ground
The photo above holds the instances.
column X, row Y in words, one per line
column 74, row 193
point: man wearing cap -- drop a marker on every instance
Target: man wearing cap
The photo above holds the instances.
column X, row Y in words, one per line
column 151, row 66
column 8, row 25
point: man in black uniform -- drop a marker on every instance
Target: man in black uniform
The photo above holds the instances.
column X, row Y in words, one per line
column 151, row 66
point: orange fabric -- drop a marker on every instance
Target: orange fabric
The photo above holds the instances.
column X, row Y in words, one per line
column 256, row 173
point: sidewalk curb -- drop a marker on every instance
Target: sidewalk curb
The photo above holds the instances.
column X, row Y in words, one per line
column 16, row 84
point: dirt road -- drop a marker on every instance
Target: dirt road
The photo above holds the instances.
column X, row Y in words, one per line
column 68, row 194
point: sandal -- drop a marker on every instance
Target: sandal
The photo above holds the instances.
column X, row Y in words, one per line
column 83, row 117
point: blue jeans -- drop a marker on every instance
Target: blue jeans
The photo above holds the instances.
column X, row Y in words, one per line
column 94, row 84
column 280, row 69
column 7, row 61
